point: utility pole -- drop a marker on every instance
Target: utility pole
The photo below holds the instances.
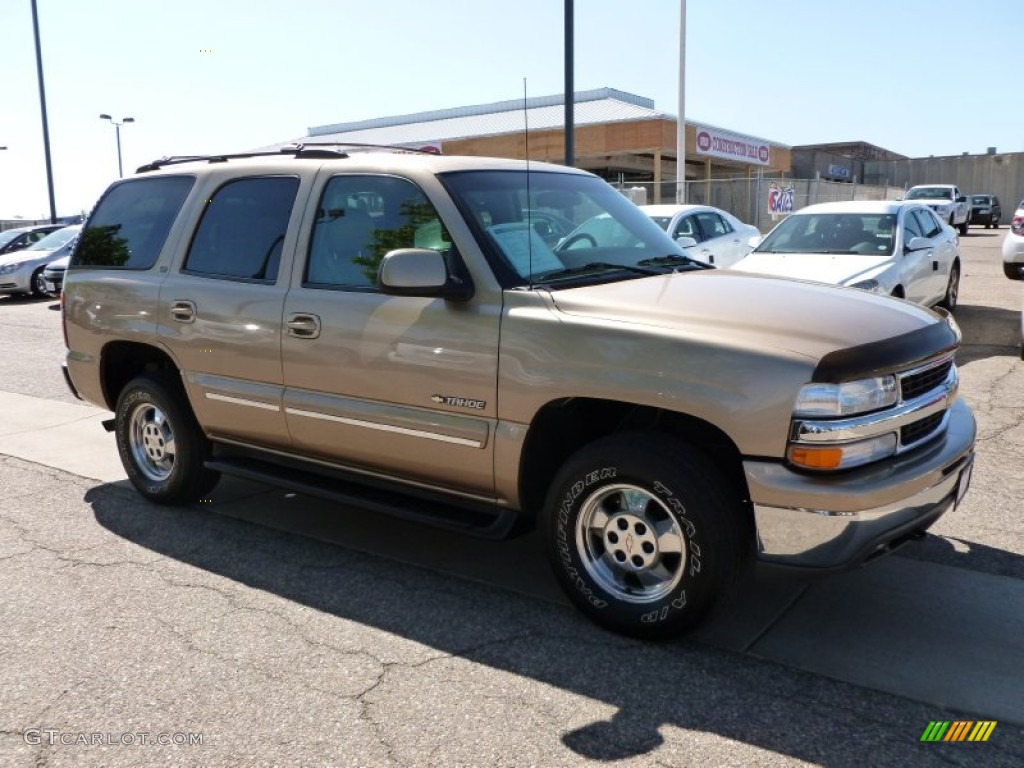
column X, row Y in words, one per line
column 42, row 104
column 681, row 124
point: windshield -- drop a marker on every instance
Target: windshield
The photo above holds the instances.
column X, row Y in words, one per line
column 869, row 234
column 980, row 199
column 55, row 240
column 547, row 228
column 930, row 193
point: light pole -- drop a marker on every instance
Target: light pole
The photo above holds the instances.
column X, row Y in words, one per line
column 117, row 130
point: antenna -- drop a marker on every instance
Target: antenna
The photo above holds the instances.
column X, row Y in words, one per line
column 529, row 201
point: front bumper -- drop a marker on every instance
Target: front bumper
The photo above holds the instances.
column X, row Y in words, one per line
column 19, row 281
column 837, row 521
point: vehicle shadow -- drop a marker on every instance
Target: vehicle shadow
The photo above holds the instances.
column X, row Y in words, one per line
column 682, row 684
column 987, row 332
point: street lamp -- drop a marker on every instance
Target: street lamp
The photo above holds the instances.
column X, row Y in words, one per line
column 117, row 130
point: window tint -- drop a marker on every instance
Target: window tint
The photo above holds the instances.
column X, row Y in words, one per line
column 130, row 224
column 242, row 230
column 713, row 225
column 360, row 219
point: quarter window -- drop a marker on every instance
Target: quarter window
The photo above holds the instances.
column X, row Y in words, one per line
column 361, row 219
column 130, row 224
column 930, row 226
column 242, row 231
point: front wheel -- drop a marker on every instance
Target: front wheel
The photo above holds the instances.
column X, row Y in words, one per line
column 642, row 534
column 39, row 284
column 161, row 445
column 962, row 227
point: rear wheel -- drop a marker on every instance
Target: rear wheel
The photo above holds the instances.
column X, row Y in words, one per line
column 962, row 227
column 642, row 534
column 161, row 445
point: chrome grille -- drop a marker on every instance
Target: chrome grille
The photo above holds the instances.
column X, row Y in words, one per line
column 922, row 380
column 919, row 430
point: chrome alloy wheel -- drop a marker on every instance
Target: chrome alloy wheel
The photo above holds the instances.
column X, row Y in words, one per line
column 151, row 438
column 630, row 543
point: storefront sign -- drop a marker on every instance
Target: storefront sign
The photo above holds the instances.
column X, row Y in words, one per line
column 731, row 146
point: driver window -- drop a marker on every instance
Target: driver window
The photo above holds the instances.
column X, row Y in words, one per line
column 911, row 227
column 687, row 227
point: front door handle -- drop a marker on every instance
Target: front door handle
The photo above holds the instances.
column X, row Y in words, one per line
column 183, row 311
column 303, row 326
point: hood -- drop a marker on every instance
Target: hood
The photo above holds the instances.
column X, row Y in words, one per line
column 738, row 309
column 833, row 268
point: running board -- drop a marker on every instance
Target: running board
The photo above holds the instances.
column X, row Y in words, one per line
column 482, row 520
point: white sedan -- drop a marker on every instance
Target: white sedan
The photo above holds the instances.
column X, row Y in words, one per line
column 717, row 236
column 897, row 248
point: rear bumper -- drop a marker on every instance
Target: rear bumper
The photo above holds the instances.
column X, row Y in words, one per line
column 830, row 523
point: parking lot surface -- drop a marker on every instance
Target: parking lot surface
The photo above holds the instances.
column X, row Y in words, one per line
column 265, row 628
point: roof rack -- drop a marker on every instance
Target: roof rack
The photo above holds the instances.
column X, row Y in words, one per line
column 309, row 149
column 297, row 150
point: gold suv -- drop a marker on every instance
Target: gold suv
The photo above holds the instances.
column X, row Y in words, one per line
column 404, row 332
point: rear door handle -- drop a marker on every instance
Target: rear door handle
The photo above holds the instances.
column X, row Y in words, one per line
column 183, row 311
column 303, row 326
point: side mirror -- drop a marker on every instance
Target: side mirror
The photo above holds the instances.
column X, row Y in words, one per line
column 686, row 242
column 918, row 243
column 420, row 272
column 962, row 199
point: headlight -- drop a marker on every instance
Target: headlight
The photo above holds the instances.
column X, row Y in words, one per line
column 846, row 399
column 6, row 269
column 843, row 455
column 872, row 286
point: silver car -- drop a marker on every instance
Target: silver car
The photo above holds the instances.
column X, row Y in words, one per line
column 22, row 272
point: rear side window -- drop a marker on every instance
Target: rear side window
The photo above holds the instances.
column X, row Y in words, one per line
column 242, row 230
column 131, row 222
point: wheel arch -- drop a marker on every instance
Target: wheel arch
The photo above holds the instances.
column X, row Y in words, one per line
column 562, row 427
column 122, row 361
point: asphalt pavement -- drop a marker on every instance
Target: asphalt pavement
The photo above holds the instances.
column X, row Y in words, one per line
column 278, row 629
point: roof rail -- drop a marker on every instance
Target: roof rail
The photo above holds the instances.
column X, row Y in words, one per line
column 298, row 151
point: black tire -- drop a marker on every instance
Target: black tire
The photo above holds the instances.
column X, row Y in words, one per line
column 38, row 284
column 995, row 223
column 949, row 301
column 1013, row 271
column 644, row 536
column 152, row 413
column 962, row 227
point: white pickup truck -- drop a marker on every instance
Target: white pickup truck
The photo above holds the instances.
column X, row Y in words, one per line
column 946, row 200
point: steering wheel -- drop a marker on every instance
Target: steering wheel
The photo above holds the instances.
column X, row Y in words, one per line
column 576, row 238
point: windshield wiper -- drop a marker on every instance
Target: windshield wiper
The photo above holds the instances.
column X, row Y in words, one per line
column 675, row 260
column 594, row 266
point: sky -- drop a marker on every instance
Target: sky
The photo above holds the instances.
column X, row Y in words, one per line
column 919, row 77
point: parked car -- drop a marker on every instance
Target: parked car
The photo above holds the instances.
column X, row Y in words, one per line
column 900, row 249
column 948, row 202
column 717, row 236
column 53, row 273
column 1013, row 246
column 22, row 271
column 17, row 239
column 985, row 210
column 663, row 422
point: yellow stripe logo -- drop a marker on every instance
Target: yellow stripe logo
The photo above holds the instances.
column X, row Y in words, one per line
column 958, row 730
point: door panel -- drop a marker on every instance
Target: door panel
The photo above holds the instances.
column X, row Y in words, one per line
column 400, row 385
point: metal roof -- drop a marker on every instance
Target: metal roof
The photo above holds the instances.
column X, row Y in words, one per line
column 594, row 107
